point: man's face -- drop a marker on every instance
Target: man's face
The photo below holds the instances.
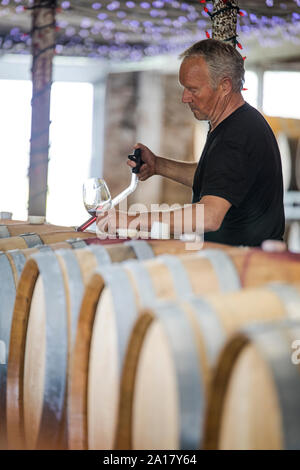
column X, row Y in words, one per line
column 198, row 93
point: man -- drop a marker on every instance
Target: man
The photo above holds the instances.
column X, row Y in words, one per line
column 238, row 178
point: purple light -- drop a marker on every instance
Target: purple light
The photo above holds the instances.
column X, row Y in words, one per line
column 19, row 9
column 121, row 14
column 59, row 48
column 182, row 19
column 83, row 33
column 154, row 13
column 109, row 24
column 158, row 4
column 134, row 23
column 283, row 6
column 269, row 3
column 130, row 4
column 145, row 5
column 85, row 23
column 107, row 35
column 95, row 30
column 185, row 6
column 136, row 55
column 120, row 38
column 7, row 44
column 177, row 24
column 65, row 5
column 102, row 16
column 147, row 24
column 14, row 31
column 96, row 6
column 175, row 4
column 253, row 18
column 278, row 21
column 113, row 6
column 70, row 31
column 193, row 15
column 167, row 21
column 103, row 49
column 5, row 2
column 62, row 23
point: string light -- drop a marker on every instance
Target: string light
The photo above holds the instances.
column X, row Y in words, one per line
column 165, row 26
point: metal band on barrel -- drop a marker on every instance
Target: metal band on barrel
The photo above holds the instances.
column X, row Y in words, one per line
column 289, row 296
column 75, row 286
column 224, row 268
column 124, row 304
column 7, row 295
column 4, row 233
column 141, row 248
column 143, row 281
column 179, row 275
column 213, row 334
column 19, row 260
column 101, row 254
column 31, row 239
column 190, row 385
column 56, row 346
column 76, row 243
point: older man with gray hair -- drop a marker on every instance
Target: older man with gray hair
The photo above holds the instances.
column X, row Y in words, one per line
column 238, row 178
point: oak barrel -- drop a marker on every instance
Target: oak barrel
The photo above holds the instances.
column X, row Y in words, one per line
column 110, row 307
column 254, row 397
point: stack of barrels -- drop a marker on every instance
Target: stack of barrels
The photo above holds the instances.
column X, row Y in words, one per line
column 135, row 344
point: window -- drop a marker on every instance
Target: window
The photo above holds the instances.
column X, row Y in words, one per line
column 282, row 94
column 251, row 83
column 70, row 150
column 15, row 122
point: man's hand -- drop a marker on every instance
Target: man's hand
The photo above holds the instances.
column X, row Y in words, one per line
column 149, row 167
column 111, row 221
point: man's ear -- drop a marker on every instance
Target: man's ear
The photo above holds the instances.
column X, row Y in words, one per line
column 226, row 85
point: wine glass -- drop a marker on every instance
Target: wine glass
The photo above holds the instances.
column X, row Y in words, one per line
column 96, row 196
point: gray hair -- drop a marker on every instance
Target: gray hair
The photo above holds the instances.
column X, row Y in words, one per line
column 222, row 59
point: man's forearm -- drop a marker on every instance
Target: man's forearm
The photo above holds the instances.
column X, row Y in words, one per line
column 188, row 219
column 182, row 172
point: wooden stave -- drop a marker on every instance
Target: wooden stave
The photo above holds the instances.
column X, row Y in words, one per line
column 78, row 439
column 19, row 228
column 113, row 251
column 19, row 242
column 252, row 339
column 11, row 222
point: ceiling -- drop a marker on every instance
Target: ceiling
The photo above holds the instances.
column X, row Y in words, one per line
column 132, row 30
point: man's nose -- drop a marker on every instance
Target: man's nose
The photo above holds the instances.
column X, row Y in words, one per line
column 186, row 96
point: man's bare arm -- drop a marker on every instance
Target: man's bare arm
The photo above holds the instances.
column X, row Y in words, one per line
column 186, row 218
column 182, row 172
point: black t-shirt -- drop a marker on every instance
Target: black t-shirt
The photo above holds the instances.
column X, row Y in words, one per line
column 241, row 163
